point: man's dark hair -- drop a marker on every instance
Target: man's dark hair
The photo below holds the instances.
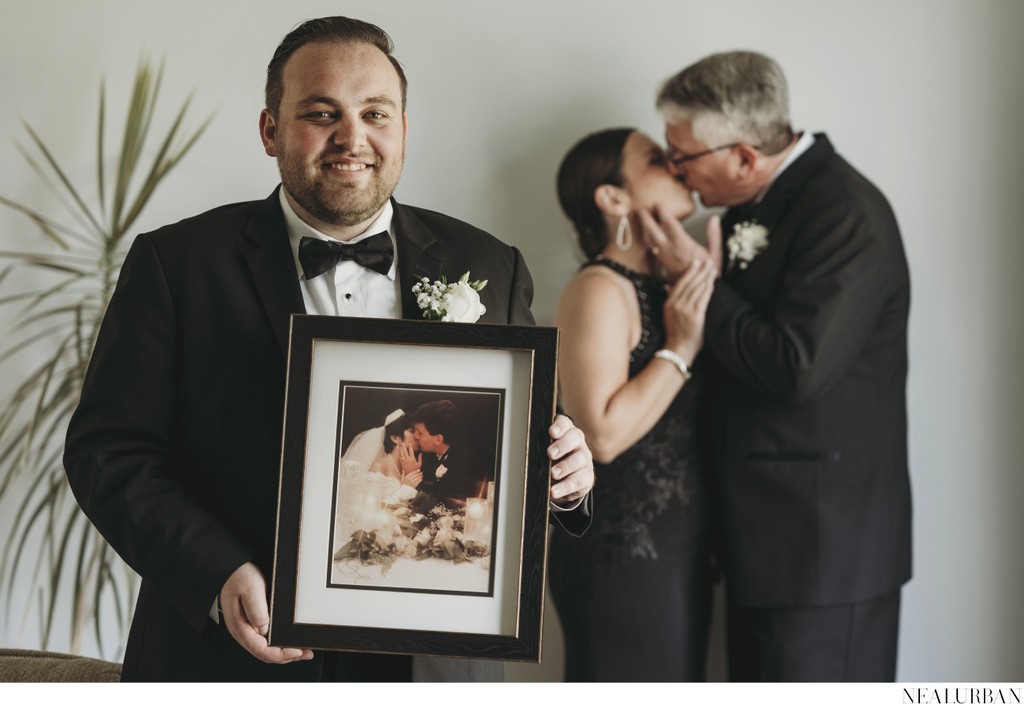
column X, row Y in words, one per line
column 340, row 30
column 439, row 418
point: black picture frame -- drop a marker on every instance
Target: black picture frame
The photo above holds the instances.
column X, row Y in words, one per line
column 458, row 588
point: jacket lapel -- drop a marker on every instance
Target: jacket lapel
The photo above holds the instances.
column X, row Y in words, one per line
column 417, row 257
column 771, row 211
column 791, row 182
column 272, row 265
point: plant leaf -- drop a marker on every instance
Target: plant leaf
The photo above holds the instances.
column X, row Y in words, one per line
column 49, row 227
column 162, row 165
column 74, row 560
column 63, row 178
column 101, row 180
column 136, row 122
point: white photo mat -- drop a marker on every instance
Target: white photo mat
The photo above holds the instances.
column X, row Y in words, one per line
column 430, row 366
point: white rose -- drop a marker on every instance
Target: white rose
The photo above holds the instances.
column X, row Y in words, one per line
column 465, row 305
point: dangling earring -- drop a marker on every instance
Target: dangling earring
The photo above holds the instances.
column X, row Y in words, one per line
column 624, row 235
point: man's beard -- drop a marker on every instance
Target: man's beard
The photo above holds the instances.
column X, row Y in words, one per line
column 339, row 204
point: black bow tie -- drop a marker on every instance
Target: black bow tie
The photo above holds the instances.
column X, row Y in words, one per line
column 318, row 256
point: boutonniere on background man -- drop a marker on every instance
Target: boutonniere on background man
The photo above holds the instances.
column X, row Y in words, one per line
column 441, row 471
column 746, row 243
column 450, row 302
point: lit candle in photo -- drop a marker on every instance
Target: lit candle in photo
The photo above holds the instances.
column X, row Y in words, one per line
column 477, row 520
column 373, row 505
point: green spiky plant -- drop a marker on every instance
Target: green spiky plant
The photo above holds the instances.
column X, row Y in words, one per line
column 49, row 543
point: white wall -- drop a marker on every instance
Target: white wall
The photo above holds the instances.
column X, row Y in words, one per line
column 924, row 96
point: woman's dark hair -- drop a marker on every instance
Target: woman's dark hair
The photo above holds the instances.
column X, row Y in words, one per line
column 593, row 161
column 397, row 428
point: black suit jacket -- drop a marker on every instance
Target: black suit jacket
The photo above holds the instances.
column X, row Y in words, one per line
column 174, row 449
column 806, row 402
column 460, row 480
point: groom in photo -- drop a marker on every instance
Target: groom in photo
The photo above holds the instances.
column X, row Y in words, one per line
column 449, row 467
column 806, row 362
column 175, row 448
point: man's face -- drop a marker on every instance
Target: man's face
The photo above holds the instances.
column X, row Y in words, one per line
column 427, row 442
column 711, row 175
column 339, row 135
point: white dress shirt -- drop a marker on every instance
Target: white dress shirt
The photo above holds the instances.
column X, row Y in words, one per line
column 348, row 289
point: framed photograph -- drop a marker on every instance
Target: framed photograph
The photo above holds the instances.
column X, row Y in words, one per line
column 413, row 502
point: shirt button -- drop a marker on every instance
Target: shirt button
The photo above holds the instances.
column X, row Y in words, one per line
column 348, row 296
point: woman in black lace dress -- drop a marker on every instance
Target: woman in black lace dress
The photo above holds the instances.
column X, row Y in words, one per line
column 633, row 593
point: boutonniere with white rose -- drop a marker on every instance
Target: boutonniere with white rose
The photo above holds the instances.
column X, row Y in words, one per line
column 746, row 243
column 441, row 471
column 450, row 302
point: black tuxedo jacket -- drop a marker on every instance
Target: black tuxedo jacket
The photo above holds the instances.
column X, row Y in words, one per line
column 805, row 397
column 459, row 480
column 175, row 447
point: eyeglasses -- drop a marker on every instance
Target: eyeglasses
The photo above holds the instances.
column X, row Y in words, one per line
column 683, row 159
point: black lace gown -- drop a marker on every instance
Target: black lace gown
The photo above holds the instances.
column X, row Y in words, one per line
column 633, row 594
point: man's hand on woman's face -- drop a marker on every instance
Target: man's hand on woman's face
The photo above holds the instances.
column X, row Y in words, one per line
column 674, row 248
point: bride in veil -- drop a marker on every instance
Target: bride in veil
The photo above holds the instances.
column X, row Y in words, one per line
column 390, row 450
column 378, row 469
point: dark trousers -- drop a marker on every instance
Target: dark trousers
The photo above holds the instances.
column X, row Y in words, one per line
column 823, row 644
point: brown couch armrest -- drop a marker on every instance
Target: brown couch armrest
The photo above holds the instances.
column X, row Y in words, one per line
column 42, row 666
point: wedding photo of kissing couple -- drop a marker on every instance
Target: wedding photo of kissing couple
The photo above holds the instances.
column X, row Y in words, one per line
column 414, row 504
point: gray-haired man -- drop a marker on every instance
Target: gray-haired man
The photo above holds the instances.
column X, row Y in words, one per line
column 805, row 394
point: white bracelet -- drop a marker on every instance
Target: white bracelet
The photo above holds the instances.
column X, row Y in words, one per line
column 680, row 362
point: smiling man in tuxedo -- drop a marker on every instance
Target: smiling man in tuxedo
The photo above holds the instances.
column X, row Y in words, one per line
column 173, row 452
column 806, row 363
